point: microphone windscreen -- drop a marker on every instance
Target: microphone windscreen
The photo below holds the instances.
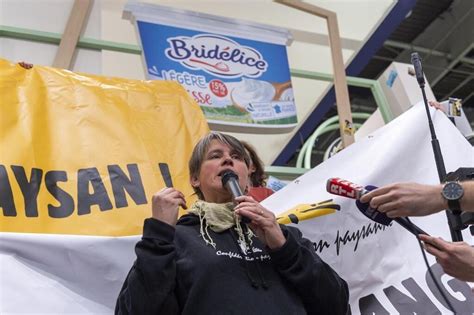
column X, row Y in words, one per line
column 230, row 181
column 416, row 62
column 371, row 213
column 227, row 175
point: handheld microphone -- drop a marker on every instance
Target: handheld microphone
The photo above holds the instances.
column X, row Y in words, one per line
column 416, row 61
column 230, row 181
column 344, row 188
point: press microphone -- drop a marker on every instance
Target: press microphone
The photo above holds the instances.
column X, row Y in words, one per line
column 416, row 61
column 230, row 181
column 345, row 188
column 453, row 217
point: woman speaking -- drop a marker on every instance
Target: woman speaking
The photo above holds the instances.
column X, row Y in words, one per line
column 209, row 262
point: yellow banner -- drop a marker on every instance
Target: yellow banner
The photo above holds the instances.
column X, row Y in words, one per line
column 79, row 154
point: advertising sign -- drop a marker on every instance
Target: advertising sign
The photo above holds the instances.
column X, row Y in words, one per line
column 241, row 80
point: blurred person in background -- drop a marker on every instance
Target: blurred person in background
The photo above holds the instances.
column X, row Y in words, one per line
column 257, row 178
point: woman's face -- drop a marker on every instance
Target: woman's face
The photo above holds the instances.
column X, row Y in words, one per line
column 219, row 158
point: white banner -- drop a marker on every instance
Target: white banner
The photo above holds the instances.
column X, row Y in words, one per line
column 384, row 266
column 59, row 274
column 62, row 274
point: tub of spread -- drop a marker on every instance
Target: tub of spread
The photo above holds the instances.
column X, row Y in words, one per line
column 237, row 71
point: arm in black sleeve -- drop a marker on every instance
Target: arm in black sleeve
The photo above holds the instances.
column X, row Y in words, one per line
column 319, row 286
column 149, row 287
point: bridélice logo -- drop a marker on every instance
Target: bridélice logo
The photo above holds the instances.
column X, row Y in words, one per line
column 216, row 55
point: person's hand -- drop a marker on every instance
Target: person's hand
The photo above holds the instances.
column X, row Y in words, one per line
column 263, row 222
column 456, row 258
column 436, row 105
column 406, row 199
column 165, row 205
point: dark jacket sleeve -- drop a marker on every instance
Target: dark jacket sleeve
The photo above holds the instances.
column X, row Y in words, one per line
column 149, row 287
column 318, row 285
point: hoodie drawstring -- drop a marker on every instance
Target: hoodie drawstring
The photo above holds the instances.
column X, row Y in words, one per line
column 263, row 283
column 247, row 269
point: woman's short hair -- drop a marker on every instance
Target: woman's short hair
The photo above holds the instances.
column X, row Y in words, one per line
column 258, row 177
column 201, row 148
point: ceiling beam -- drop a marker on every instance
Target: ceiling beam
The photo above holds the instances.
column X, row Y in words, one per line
column 450, row 67
column 458, row 87
column 397, row 44
column 451, row 33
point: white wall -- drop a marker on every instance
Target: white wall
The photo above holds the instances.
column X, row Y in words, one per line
column 47, row 16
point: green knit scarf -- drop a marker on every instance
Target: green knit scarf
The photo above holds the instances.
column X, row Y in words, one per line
column 218, row 217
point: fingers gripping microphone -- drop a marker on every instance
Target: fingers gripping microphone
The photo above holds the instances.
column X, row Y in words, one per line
column 344, row 188
column 416, row 61
column 371, row 212
column 230, row 181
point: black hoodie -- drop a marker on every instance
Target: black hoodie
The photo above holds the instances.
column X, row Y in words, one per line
column 176, row 272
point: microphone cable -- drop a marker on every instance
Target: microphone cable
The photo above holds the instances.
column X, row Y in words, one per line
column 450, row 306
